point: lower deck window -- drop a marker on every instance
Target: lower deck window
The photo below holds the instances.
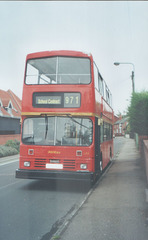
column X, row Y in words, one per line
column 57, row 131
column 107, row 131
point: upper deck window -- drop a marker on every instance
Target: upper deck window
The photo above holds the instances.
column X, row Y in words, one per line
column 58, row 70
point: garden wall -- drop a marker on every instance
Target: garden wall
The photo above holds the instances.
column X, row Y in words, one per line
column 5, row 138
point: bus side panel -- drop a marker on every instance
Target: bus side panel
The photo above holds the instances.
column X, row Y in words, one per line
column 107, row 152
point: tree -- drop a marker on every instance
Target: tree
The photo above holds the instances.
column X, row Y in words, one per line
column 138, row 113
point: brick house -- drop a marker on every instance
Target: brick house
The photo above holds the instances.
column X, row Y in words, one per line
column 120, row 126
column 10, row 114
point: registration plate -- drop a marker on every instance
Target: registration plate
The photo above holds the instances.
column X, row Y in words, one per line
column 54, row 166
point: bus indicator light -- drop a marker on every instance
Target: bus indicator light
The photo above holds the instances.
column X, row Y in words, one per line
column 30, row 152
column 79, row 153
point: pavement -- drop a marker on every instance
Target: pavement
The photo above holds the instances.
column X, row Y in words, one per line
column 117, row 208
column 9, row 159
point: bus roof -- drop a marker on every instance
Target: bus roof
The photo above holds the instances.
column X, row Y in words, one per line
column 58, row 53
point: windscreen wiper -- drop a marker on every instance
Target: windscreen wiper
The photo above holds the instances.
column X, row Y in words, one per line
column 77, row 121
column 46, row 123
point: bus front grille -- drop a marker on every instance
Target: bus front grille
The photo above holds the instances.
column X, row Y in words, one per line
column 69, row 164
column 39, row 163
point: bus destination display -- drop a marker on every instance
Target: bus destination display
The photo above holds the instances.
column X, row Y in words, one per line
column 56, row 100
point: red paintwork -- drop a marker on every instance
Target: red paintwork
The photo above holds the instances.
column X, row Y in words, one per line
column 86, row 105
column 90, row 103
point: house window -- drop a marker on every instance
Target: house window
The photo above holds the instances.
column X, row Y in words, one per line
column 10, row 105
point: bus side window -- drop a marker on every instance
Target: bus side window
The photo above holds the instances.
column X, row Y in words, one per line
column 110, row 98
column 99, row 83
column 96, row 77
column 107, row 131
column 104, row 132
column 101, row 88
column 107, row 94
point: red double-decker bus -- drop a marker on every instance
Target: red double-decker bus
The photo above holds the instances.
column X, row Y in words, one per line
column 67, row 118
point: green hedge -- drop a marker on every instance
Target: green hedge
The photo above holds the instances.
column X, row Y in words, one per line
column 138, row 113
column 13, row 144
column 10, row 148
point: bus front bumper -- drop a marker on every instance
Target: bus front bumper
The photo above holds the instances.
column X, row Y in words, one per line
column 54, row 175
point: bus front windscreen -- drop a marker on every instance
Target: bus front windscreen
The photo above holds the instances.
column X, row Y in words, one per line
column 57, row 131
column 58, row 70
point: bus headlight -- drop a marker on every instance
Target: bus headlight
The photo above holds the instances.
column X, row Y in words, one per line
column 26, row 164
column 83, row 166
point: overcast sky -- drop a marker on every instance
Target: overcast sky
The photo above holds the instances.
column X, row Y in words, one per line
column 111, row 31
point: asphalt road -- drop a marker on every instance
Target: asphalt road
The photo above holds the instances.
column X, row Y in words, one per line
column 31, row 209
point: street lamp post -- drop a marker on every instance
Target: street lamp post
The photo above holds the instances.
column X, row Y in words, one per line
column 133, row 73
